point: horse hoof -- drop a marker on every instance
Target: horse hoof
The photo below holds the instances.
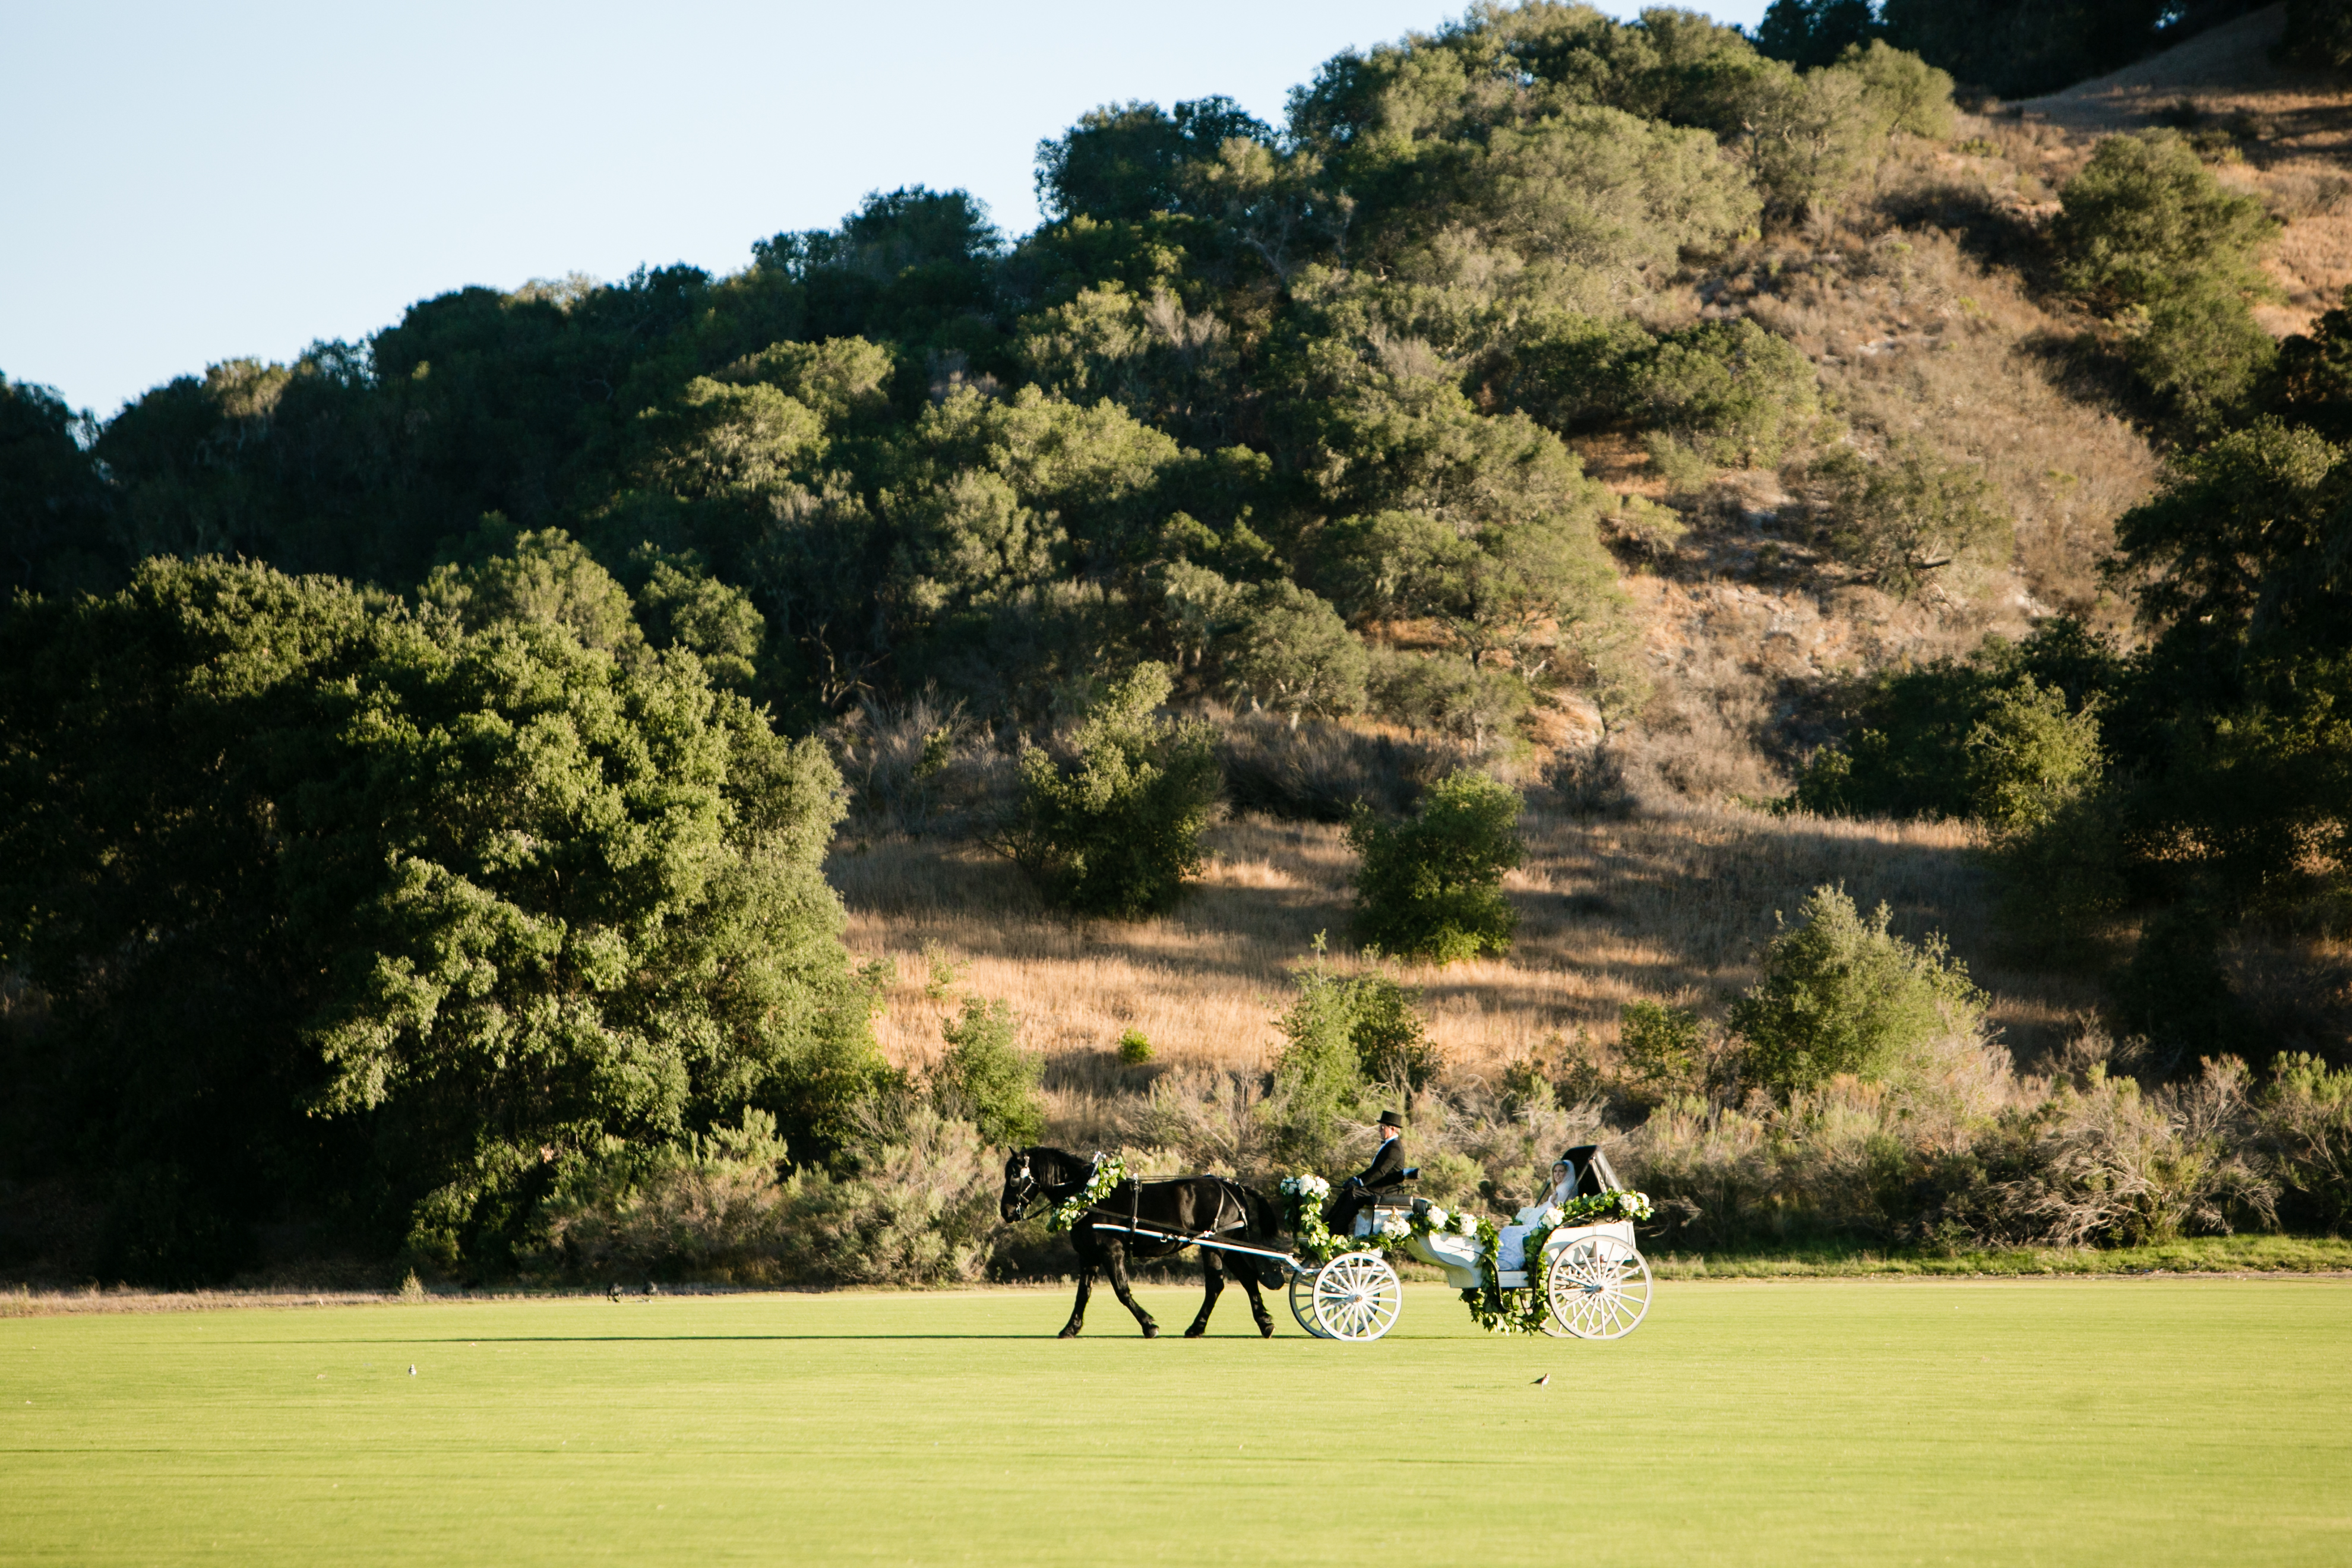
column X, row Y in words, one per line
column 1266, row 1330
column 1070, row 1333
column 1196, row 1330
column 1150, row 1330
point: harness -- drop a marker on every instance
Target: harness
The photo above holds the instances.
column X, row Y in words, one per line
column 1233, row 1209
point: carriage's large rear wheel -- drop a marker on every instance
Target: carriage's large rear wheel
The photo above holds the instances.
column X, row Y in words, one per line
column 1302, row 1301
column 1598, row 1288
column 1357, row 1297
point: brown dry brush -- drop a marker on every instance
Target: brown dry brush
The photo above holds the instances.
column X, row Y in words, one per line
column 1968, row 1155
column 914, row 1204
column 1954, row 1152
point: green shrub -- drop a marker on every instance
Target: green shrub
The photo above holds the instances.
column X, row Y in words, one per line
column 1900, row 90
column 2149, row 236
column 986, row 1077
column 704, row 1206
column 1318, row 1078
column 2200, row 348
column 1432, row 886
column 1446, row 695
column 2029, row 757
column 940, row 972
column 1119, row 833
column 1841, row 993
column 2306, row 1129
column 1732, row 392
column 1289, row 651
column 1134, row 1048
column 1348, row 1035
column 914, row 1202
column 2146, row 219
column 1908, row 752
column 1911, row 514
column 1660, row 1046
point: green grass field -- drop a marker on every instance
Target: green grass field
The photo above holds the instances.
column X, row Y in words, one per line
column 2065, row 1422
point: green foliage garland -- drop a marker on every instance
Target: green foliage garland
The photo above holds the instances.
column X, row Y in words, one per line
column 1108, row 1174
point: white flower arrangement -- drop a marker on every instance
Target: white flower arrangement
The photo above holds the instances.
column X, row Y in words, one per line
column 1468, row 1224
column 1436, row 1218
column 1552, row 1217
column 1393, row 1223
column 1307, row 1186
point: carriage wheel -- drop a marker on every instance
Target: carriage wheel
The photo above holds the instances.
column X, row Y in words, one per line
column 1598, row 1289
column 1357, row 1297
column 1302, row 1301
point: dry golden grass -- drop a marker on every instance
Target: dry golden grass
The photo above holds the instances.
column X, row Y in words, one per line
column 1670, row 908
column 1917, row 342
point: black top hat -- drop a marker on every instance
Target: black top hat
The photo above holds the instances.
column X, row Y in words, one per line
column 1392, row 1119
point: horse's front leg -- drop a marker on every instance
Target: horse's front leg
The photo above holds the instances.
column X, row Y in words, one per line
column 1078, row 1308
column 1259, row 1314
column 1213, row 1280
column 1127, row 1297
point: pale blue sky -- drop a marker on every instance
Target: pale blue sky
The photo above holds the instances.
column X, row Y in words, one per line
column 186, row 184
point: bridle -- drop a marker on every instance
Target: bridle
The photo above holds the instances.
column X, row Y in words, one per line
column 1031, row 1190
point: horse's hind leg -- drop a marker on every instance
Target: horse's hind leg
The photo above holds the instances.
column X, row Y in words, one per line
column 1259, row 1314
column 1078, row 1308
column 1213, row 1277
column 1127, row 1297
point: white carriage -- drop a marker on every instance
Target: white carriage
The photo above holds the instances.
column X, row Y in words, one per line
column 1593, row 1280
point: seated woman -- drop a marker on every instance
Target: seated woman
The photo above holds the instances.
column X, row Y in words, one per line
column 1579, row 1173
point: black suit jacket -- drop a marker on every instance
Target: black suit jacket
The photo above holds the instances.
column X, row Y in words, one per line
column 1387, row 1169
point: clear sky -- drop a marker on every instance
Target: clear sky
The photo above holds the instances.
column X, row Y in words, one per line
column 186, row 184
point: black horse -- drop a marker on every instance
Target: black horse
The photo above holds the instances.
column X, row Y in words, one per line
column 1187, row 1206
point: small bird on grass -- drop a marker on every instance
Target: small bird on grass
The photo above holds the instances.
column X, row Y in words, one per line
column 1544, row 1382
column 616, row 1290
column 412, row 1372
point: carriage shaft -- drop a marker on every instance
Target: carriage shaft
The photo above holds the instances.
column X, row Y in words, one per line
column 1206, row 1239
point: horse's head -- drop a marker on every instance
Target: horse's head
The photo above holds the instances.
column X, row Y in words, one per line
column 1023, row 1185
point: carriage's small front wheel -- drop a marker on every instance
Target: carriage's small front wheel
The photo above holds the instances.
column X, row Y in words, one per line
column 1598, row 1288
column 1357, row 1297
column 1302, row 1301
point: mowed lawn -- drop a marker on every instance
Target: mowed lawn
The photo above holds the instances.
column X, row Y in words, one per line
column 2123, row 1421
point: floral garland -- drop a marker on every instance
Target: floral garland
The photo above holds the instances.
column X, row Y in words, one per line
column 1522, row 1310
column 1109, row 1172
column 1602, row 1208
column 1307, row 1194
